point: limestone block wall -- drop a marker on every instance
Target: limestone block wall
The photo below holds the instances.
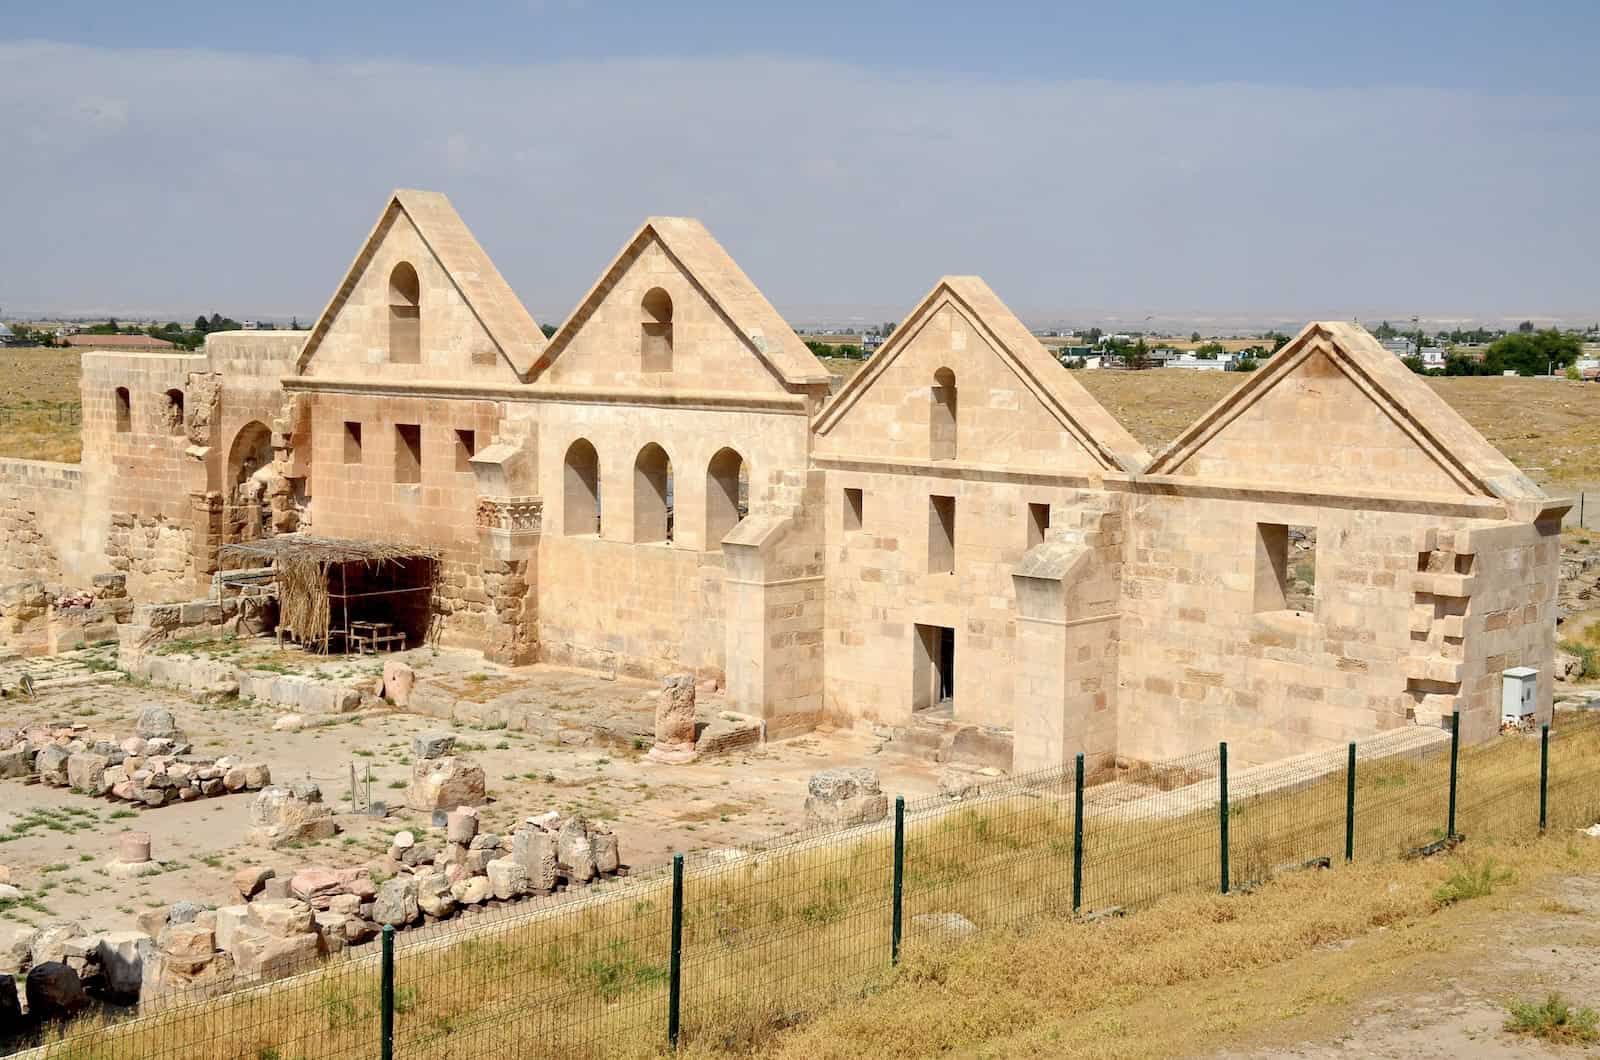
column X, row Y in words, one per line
column 880, row 588
column 41, row 510
column 640, row 610
column 1511, row 618
column 775, row 602
column 453, row 342
column 648, row 607
column 707, row 355
column 1068, row 635
column 998, row 420
column 1200, row 663
column 362, row 490
column 137, row 470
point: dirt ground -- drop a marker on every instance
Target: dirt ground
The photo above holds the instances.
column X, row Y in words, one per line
column 1450, row 999
column 56, row 842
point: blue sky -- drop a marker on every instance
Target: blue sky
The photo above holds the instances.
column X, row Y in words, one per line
column 1342, row 160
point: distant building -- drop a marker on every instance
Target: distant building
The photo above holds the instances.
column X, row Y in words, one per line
column 117, row 342
column 8, row 337
column 250, row 325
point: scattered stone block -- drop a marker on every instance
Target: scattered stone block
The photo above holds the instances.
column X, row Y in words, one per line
column 507, row 878
column 432, row 744
column 156, row 722
column 398, row 680
column 281, row 917
column 445, row 784
column 396, row 902
column 54, row 992
column 845, row 796
column 248, row 881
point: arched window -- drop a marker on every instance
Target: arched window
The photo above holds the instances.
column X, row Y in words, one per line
column 727, row 496
column 172, row 412
column 580, row 490
column 652, row 495
column 405, row 315
column 942, row 416
column 124, row 410
column 655, row 331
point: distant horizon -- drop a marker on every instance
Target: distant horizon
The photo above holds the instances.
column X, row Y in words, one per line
column 857, row 318
column 1283, row 162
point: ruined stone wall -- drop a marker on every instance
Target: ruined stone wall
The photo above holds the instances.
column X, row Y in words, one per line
column 1511, row 579
column 1201, row 663
column 137, row 470
column 41, row 507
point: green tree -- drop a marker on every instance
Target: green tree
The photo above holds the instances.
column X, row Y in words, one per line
column 1209, row 351
column 1194, row 336
column 1415, row 364
column 1384, row 330
column 1526, row 327
column 548, row 329
column 1532, row 353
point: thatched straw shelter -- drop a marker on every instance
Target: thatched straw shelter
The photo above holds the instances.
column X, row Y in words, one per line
column 323, row 585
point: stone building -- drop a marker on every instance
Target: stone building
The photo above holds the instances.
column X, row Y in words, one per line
column 961, row 542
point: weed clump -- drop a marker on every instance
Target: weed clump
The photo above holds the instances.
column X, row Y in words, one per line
column 1471, row 881
column 1553, row 1020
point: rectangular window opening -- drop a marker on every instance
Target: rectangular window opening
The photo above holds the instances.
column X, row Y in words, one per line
column 1038, row 523
column 352, row 442
column 1286, row 568
column 466, row 447
column 407, row 453
column 941, row 535
column 852, row 510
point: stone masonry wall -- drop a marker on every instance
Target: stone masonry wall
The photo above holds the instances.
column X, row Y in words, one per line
column 40, row 510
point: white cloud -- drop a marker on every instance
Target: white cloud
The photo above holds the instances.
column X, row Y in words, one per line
column 181, row 179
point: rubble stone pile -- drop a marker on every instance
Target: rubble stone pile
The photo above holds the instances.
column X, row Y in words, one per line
column 154, row 767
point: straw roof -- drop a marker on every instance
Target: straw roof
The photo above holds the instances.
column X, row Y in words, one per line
column 323, row 550
column 300, row 565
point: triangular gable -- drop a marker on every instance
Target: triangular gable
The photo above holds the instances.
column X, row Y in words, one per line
column 723, row 284
column 1099, row 433
column 1408, row 413
column 507, row 322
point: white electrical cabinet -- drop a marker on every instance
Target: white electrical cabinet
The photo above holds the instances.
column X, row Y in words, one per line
column 1519, row 693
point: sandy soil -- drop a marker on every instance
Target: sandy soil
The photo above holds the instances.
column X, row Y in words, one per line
column 718, row 801
column 1450, row 1000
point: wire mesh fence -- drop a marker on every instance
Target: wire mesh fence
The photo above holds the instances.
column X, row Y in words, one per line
column 729, row 947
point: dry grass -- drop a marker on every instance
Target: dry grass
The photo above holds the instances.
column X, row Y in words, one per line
column 801, row 932
column 39, row 404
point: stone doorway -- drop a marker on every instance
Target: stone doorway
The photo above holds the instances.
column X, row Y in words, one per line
column 934, row 670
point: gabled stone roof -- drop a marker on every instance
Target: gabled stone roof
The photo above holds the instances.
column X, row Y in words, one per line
column 714, row 272
column 1096, row 430
column 508, row 323
column 1438, row 430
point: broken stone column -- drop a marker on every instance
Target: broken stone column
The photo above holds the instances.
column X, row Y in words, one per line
column 133, row 856
column 845, row 796
column 446, row 783
column 280, row 816
column 675, row 721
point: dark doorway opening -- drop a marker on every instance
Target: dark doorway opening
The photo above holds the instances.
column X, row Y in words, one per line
column 934, row 670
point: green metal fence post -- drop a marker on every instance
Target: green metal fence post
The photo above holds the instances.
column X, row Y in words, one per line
column 1350, row 805
column 386, row 1003
column 1222, row 803
column 899, row 876
column 675, row 991
column 1544, row 774
column 1455, row 755
column 1077, row 835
